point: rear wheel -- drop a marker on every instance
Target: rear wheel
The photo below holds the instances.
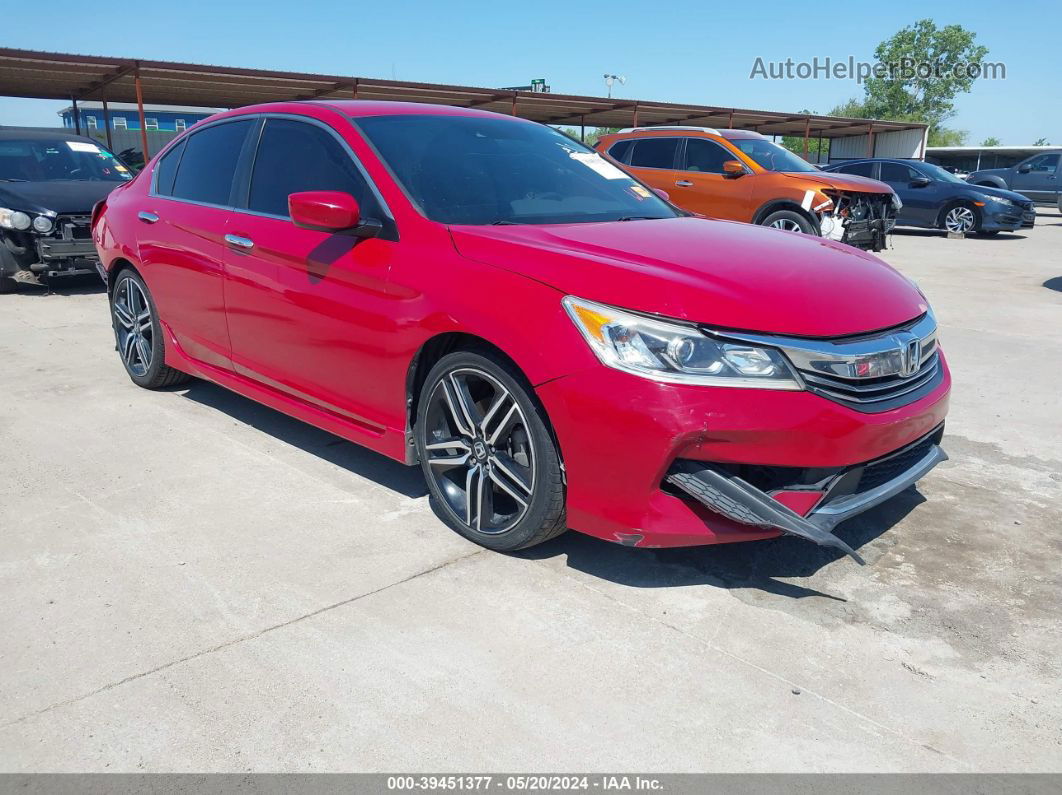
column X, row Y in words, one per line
column 490, row 462
column 138, row 334
column 790, row 221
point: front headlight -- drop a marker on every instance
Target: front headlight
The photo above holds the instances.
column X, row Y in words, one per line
column 14, row 219
column 1001, row 201
column 675, row 353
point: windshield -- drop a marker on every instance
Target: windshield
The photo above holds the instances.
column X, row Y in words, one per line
column 481, row 170
column 771, row 156
column 43, row 160
column 936, row 172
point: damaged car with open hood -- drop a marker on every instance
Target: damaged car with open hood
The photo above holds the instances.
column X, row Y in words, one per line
column 49, row 183
column 740, row 175
column 551, row 342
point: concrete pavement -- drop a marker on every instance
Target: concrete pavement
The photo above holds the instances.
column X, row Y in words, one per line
column 192, row 582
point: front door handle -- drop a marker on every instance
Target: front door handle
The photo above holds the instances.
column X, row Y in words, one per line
column 684, row 183
column 146, row 217
column 240, row 242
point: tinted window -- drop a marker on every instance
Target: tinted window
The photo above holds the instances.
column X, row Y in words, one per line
column 1045, row 163
column 705, row 156
column 862, row 169
column 487, row 170
column 771, row 156
column 166, row 170
column 897, row 173
column 210, row 156
column 654, row 153
column 619, row 150
column 294, row 156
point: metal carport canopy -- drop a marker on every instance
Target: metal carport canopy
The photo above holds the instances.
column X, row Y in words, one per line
column 48, row 75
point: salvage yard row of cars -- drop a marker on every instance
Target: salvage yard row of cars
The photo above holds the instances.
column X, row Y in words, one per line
column 529, row 321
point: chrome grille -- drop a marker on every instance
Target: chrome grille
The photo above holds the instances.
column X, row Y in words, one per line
column 874, row 390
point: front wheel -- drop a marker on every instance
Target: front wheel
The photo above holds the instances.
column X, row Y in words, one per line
column 492, row 467
column 961, row 218
column 138, row 334
column 790, row 221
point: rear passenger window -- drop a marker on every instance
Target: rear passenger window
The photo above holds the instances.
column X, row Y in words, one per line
column 654, row 153
column 166, row 170
column 294, row 156
column 210, row 157
column 860, row 169
column 705, row 156
column 619, row 150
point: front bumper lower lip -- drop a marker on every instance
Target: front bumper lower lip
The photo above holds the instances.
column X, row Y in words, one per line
column 741, row 502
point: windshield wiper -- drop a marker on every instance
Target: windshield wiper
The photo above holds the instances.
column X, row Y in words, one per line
column 640, row 218
column 12, row 179
column 504, row 222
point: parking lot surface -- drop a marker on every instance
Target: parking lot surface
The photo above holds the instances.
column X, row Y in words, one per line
column 192, row 582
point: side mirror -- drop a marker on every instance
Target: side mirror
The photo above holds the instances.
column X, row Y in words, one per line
column 663, row 194
column 1024, row 168
column 329, row 211
column 920, row 182
column 733, row 168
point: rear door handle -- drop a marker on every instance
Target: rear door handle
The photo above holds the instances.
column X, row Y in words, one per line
column 684, row 183
column 240, row 242
column 146, row 217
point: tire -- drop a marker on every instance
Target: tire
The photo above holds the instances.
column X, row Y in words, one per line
column 138, row 334
column 7, row 285
column 480, row 431
column 960, row 217
column 790, row 221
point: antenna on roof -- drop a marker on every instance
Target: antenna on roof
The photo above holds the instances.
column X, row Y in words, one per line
column 610, row 79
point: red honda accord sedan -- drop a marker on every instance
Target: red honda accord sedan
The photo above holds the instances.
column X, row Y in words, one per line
column 551, row 341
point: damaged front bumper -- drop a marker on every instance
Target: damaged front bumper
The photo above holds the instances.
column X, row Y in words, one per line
column 862, row 220
column 844, row 493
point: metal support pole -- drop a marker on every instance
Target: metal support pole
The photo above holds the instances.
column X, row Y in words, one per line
column 807, row 132
column 140, row 112
column 515, row 94
column 582, row 129
column 77, row 117
column 730, row 122
column 635, row 114
column 355, row 88
column 107, row 124
column 870, row 140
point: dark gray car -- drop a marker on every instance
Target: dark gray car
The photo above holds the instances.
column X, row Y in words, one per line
column 1036, row 177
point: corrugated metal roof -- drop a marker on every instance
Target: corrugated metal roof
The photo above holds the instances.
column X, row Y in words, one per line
column 46, row 75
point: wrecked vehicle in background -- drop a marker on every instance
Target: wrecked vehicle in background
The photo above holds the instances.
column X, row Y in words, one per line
column 739, row 175
column 49, row 183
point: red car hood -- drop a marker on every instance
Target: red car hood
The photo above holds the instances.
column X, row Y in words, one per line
column 720, row 273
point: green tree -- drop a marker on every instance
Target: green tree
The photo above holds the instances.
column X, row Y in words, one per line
column 926, row 91
column 945, row 136
column 795, row 143
column 990, row 141
column 1041, row 142
column 852, row 109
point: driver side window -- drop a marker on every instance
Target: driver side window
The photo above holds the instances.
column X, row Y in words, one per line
column 295, row 156
column 706, row 157
column 1044, row 164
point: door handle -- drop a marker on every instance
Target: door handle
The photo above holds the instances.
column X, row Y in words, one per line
column 684, row 183
column 240, row 242
column 146, row 217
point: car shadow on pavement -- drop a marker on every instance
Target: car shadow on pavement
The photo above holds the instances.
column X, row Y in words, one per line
column 973, row 236
column 69, row 285
column 354, row 458
column 1054, row 283
column 759, row 565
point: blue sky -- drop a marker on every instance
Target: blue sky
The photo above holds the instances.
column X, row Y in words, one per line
column 679, row 51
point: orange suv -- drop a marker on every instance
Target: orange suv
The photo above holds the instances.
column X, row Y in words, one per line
column 740, row 175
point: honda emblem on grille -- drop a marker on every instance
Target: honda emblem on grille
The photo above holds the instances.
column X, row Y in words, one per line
column 910, row 355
